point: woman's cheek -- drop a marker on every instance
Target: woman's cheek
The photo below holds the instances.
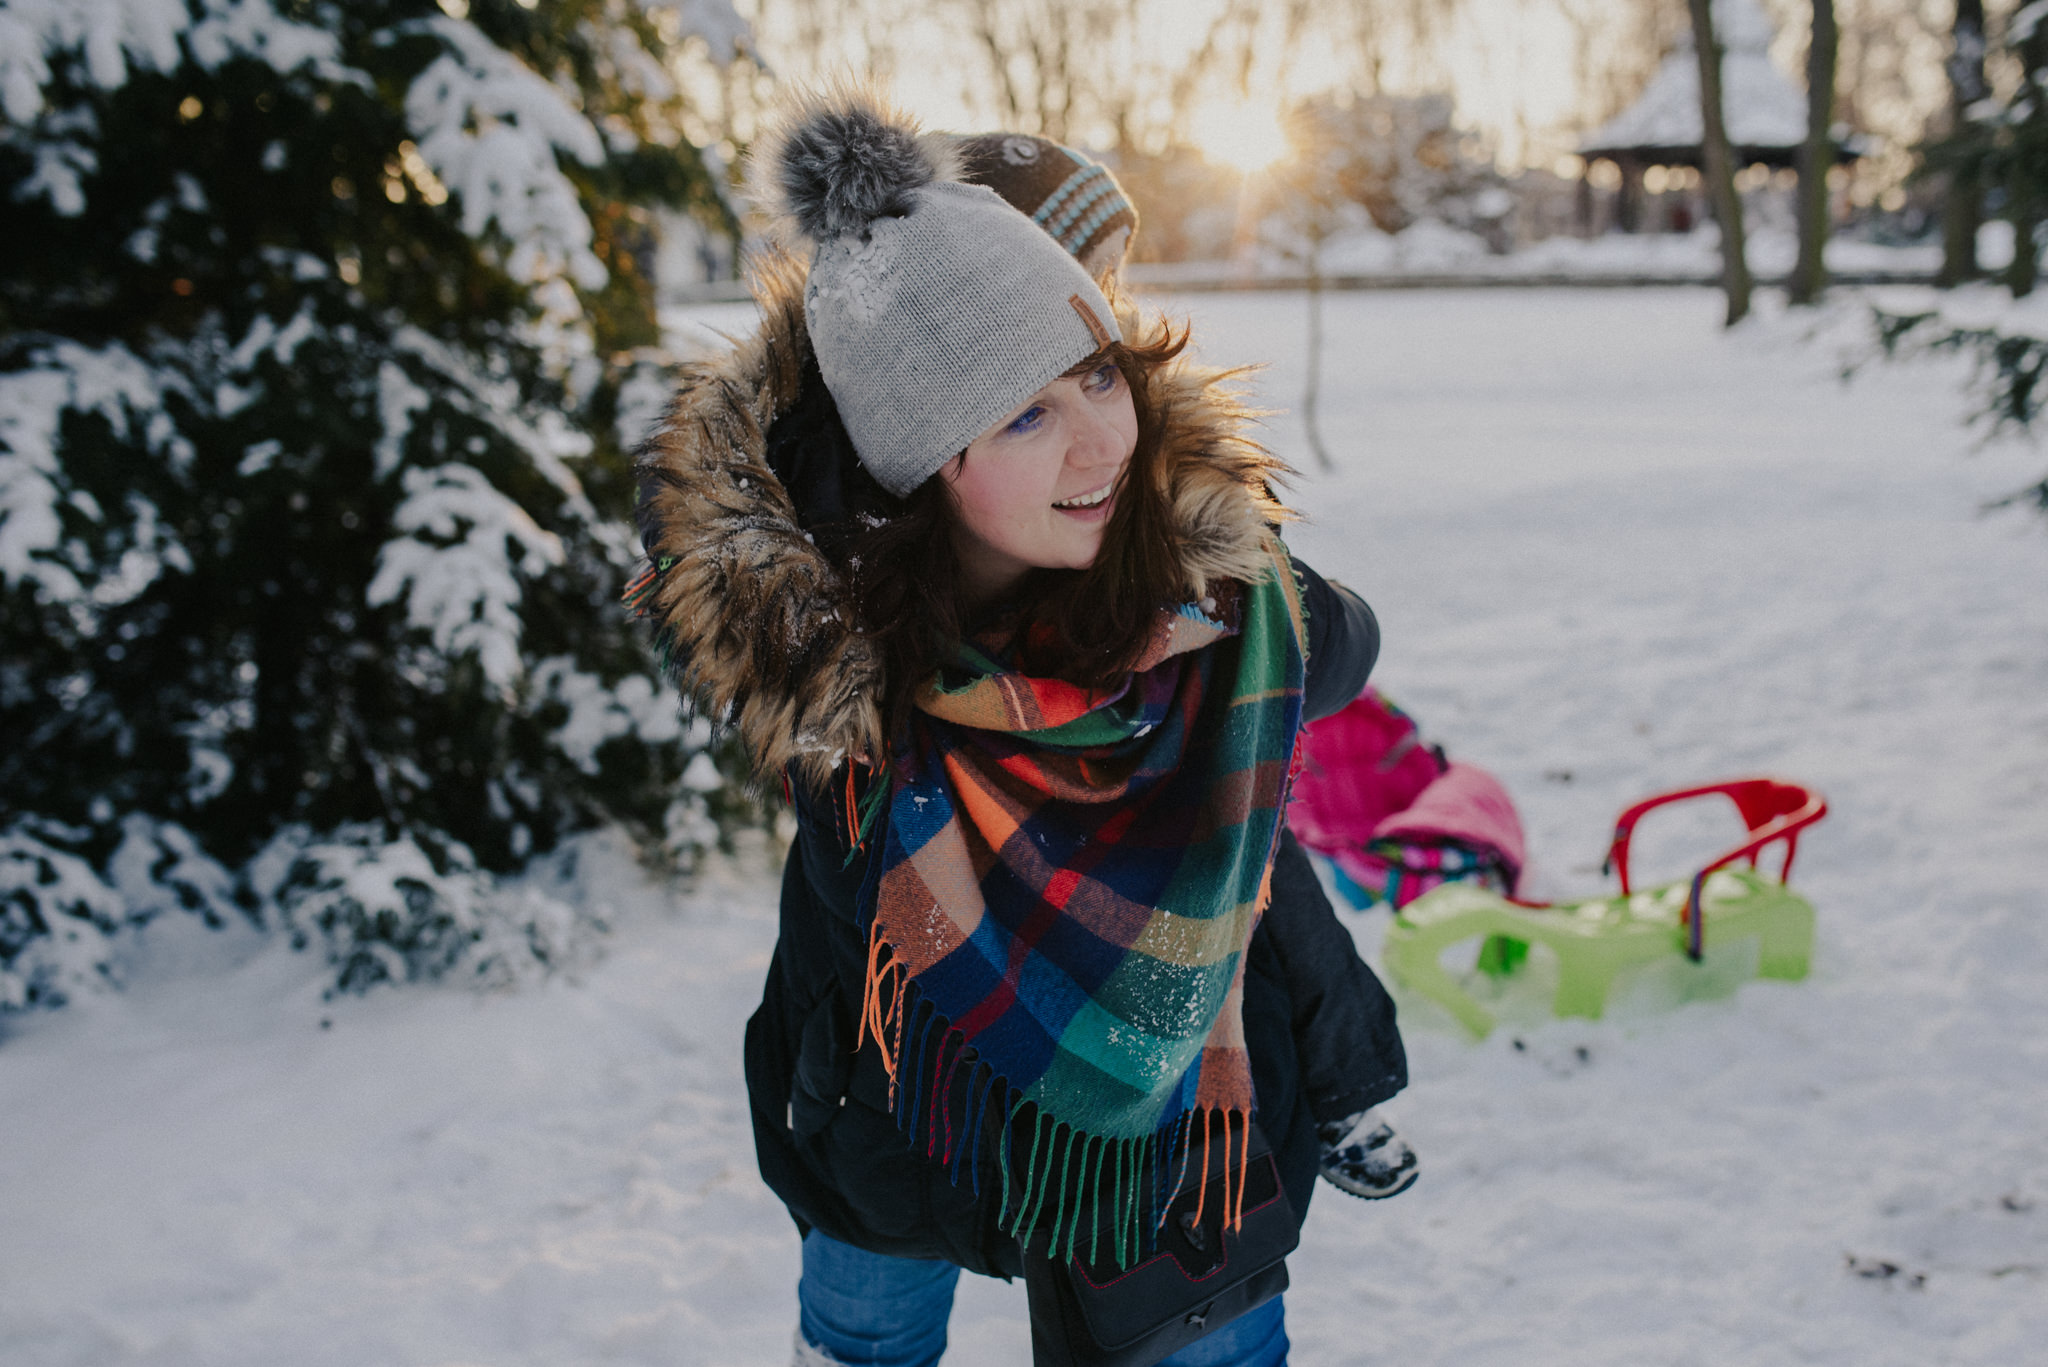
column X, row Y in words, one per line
column 1013, row 495
column 992, row 508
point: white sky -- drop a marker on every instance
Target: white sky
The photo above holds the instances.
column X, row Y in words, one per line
column 1509, row 64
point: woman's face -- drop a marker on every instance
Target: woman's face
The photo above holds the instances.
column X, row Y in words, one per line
column 1036, row 490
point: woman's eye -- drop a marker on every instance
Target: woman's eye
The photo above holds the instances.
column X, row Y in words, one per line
column 1103, row 378
column 1027, row 421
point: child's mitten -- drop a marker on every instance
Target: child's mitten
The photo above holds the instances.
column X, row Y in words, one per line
column 1363, row 1155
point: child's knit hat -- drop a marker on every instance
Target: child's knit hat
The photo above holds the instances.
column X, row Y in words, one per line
column 1075, row 199
column 934, row 308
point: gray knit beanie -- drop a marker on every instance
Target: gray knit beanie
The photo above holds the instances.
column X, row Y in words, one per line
column 934, row 307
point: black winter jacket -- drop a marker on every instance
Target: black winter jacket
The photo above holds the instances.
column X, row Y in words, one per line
column 1318, row 1026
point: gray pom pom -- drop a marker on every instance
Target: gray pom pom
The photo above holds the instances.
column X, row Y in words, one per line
column 842, row 158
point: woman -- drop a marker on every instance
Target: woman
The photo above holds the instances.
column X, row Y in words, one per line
column 1350, row 1052
column 990, row 577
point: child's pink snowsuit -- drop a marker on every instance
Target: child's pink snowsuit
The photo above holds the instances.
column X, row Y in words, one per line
column 1394, row 816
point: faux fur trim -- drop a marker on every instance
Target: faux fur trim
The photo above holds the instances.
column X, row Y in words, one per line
column 761, row 620
column 763, row 631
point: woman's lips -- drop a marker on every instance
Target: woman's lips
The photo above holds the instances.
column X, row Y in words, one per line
column 1105, row 496
column 1094, row 512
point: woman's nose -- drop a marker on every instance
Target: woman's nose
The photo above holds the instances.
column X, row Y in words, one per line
column 1096, row 439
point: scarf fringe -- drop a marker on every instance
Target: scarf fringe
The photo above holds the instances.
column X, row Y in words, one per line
column 638, row 597
column 641, row 588
column 1065, row 1163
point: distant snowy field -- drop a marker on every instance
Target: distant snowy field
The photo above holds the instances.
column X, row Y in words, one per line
column 1432, row 249
column 1613, row 550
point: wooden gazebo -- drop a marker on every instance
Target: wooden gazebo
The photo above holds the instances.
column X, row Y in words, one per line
column 1765, row 112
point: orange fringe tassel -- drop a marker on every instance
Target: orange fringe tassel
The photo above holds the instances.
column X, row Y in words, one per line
column 1244, row 1162
column 1233, row 1193
column 1226, row 1172
column 881, row 1010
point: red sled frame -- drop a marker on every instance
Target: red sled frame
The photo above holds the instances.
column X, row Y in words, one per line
column 1773, row 809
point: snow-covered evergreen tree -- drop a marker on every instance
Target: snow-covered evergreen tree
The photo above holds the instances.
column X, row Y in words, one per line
column 323, row 330
column 2000, row 142
column 1998, row 148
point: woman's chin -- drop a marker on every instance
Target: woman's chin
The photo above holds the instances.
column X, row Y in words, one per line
column 1077, row 552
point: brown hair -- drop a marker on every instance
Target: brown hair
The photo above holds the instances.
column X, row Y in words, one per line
column 906, row 572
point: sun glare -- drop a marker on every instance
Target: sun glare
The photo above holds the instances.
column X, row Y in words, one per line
column 1246, row 136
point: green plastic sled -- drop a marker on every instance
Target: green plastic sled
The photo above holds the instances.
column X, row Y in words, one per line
column 1594, row 940
column 1597, row 939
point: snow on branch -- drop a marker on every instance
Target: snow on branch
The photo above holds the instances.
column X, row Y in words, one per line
column 638, row 71
column 266, row 337
column 62, row 920
column 116, row 38
column 390, row 909
column 115, row 384
column 398, row 398
column 490, row 127
column 550, row 442
column 159, row 867
column 715, row 21
column 379, row 902
column 597, row 712
column 60, row 143
column 2026, row 21
column 251, row 28
column 56, row 917
column 456, row 563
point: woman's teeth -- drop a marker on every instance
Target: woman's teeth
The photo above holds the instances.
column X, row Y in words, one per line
column 1087, row 500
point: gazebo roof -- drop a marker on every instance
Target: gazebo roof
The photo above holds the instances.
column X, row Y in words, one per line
column 1763, row 108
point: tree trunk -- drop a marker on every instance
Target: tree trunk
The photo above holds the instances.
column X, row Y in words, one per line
column 1962, row 205
column 2025, row 270
column 2024, row 195
column 1309, row 423
column 1816, row 157
column 1628, row 200
column 1720, row 162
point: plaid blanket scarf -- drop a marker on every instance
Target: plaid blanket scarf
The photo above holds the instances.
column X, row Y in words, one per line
column 1061, row 904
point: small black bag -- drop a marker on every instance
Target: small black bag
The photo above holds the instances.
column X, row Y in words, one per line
column 1197, row 1279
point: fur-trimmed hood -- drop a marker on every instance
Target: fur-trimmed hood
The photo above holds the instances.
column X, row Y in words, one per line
column 755, row 614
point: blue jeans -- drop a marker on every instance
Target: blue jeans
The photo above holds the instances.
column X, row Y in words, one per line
column 871, row 1310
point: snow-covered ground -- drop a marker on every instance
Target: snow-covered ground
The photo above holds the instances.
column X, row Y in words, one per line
column 1613, row 550
column 1432, row 251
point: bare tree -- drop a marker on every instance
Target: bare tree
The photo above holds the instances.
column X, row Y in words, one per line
column 1090, row 70
column 1313, row 201
column 1616, row 48
column 1030, row 48
column 1127, row 73
column 806, row 41
column 1962, row 206
column 1816, row 157
column 1720, row 162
